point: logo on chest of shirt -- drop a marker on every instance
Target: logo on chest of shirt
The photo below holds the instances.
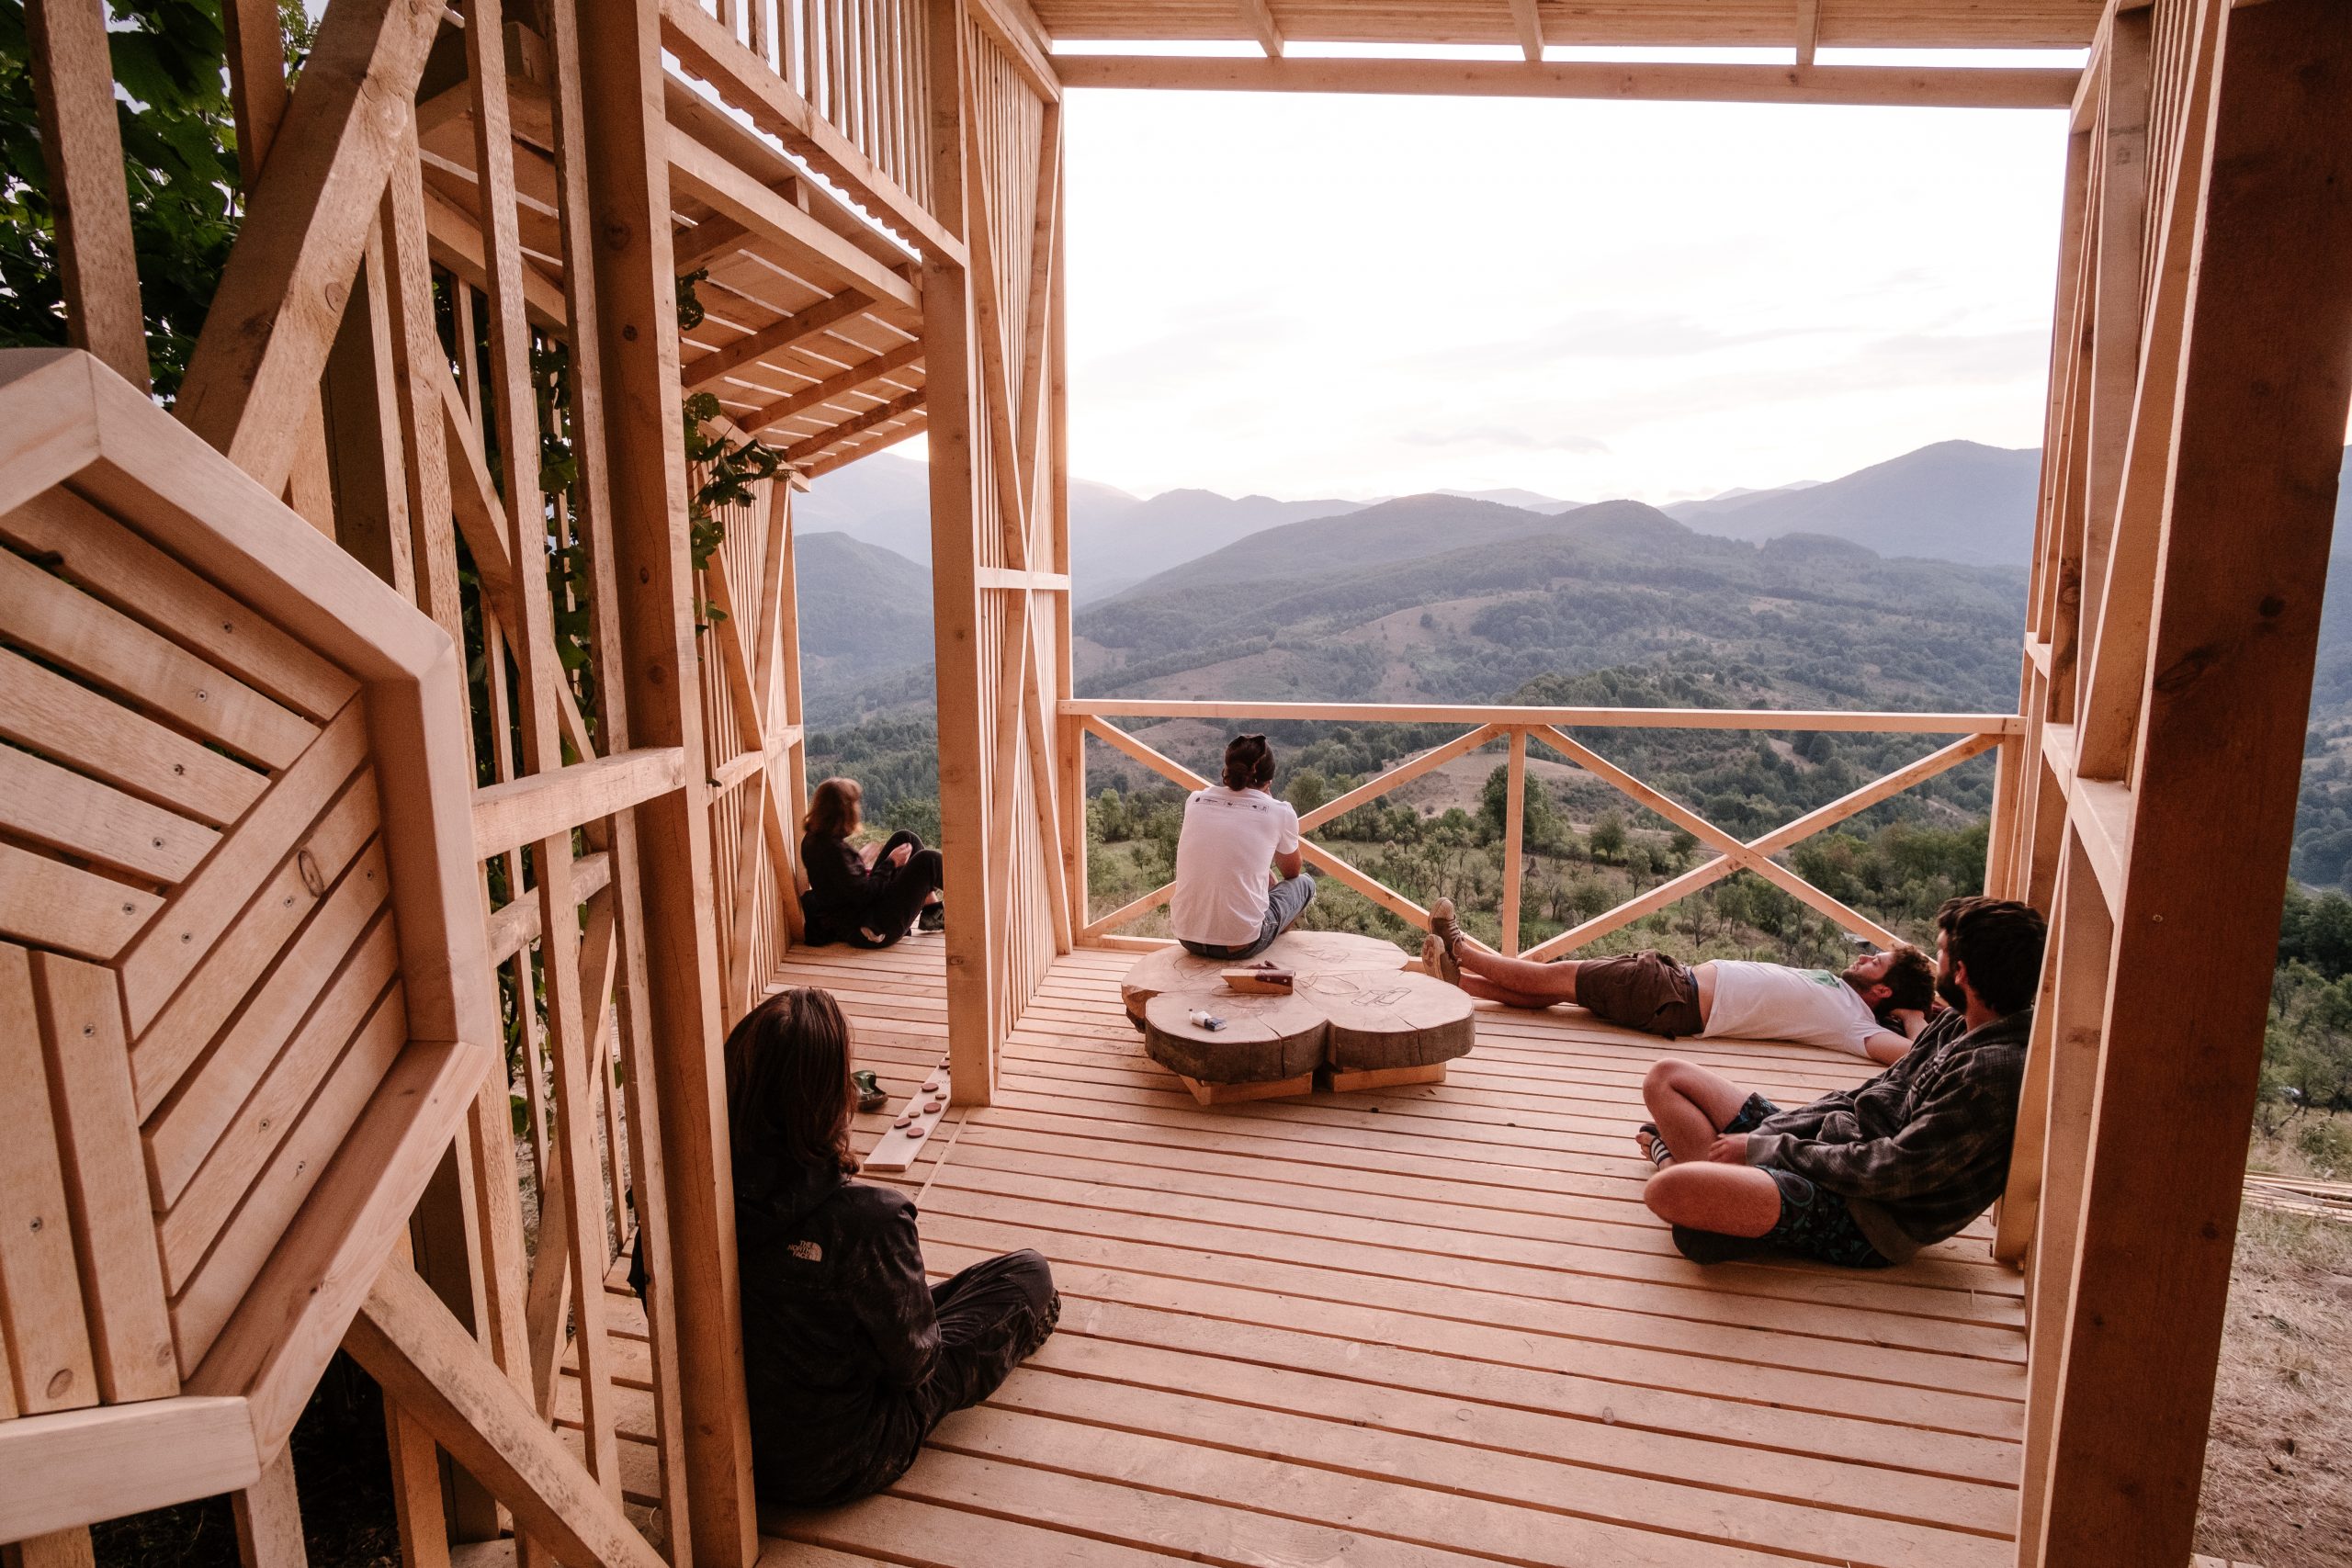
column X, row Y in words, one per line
column 807, row 1251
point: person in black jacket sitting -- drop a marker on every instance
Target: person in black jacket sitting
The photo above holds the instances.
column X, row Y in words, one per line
column 849, row 1356
column 869, row 897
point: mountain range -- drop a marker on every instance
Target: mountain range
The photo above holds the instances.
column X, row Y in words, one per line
column 1954, row 500
column 1901, row 584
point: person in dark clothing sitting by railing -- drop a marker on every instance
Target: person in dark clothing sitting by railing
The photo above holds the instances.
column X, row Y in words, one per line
column 867, row 898
column 1865, row 1177
column 850, row 1356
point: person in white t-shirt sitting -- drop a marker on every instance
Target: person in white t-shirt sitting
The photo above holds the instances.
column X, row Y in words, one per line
column 1874, row 1008
column 1239, row 878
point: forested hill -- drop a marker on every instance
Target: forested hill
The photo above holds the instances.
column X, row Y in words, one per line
column 1439, row 599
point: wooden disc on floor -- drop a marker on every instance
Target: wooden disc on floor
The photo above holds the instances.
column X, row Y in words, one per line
column 1172, row 968
column 1264, row 1038
column 1390, row 1021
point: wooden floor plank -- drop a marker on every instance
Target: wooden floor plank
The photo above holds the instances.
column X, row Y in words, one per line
column 1424, row 1325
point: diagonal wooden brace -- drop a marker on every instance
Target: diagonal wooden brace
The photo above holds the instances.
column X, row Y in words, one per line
column 438, row 1374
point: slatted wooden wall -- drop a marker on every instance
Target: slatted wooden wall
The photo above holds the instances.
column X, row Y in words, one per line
column 2200, row 374
column 999, row 527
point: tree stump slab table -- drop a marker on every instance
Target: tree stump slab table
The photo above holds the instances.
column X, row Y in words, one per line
column 1356, row 1017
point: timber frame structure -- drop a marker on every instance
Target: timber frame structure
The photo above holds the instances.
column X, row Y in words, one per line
column 268, row 861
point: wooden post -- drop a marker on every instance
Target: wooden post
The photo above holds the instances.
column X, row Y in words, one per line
column 2259, row 430
column 1514, row 830
column 269, row 1517
column 364, row 432
column 956, row 408
column 628, row 176
column 81, row 146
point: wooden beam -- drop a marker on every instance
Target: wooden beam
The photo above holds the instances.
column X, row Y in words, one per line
column 1259, row 18
column 1920, row 86
column 2116, row 667
column 2259, row 430
column 81, row 146
column 707, row 49
column 285, row 1329
column 268, row 1517
column 1017, row 31
column 1008, row 580
column 73, row 1466
column 1808, row 32
column 955, row 405
column 775, row 338
column 1514, row 830
column 257, row 363
column 1403, row 773
column 1529, row 23
column 617, row 976
column 515, row 924
column 842, row 457
column 434, row 1370
column 1836, row 719
column 882, row 413
column 456, row 241
column 547, row 804
column 627, row 179
column 710, row 177
column 858, row 376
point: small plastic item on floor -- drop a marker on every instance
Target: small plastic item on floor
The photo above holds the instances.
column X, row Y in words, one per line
column 1207, row 1020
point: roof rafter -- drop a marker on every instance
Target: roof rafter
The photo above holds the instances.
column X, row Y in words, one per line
column 1530, row 27
column 775, row 338
column 1259, row 18
column 862, row 374
column 1932, row 86
column 799, row 452
column 1808, row 31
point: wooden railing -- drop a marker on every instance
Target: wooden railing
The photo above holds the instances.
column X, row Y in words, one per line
column 1547, row 726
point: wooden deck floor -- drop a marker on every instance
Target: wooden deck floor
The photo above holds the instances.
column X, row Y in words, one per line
column 1427, row 1326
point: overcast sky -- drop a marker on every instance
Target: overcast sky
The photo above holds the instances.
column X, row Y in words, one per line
column 1307, row 296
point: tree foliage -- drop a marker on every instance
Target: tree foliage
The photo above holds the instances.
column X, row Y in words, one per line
column 179, row 149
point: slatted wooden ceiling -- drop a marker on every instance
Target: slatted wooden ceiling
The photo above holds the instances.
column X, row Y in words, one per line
column 1843, row 24
column 812, row 313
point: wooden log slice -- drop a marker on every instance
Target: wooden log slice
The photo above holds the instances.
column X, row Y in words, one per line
column 1172, row 968
column 1264, row 1038
column 1390, row 1019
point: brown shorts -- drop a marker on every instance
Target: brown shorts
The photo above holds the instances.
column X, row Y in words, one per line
column 1644, row 990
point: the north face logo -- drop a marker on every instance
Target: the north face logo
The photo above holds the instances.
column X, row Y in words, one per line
column 807, row 1251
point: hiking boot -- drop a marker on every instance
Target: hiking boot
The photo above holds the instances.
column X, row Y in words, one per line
column 1444, row 931
column 933, row 919
column 870, row 1096
column 1710, row 1247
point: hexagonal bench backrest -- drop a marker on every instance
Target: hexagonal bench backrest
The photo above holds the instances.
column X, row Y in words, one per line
column 243, row 984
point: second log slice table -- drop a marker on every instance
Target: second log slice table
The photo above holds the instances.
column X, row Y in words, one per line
column 1356, row 1017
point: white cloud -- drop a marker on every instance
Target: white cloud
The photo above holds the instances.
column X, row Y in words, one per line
column 1315, row 296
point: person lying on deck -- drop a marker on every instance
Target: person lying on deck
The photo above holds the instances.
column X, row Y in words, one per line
column 850, row 1356
column 1240, row 880
column 867, row 898
column 1862, row 1178
column 1874, row 1008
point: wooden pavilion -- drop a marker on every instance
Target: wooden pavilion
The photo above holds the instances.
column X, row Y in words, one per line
column 269, row 861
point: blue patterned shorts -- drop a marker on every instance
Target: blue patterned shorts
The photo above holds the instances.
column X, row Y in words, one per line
column 1814, row 1221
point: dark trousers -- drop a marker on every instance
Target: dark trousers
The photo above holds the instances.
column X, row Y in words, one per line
column 898, row 895
column 993, row 1316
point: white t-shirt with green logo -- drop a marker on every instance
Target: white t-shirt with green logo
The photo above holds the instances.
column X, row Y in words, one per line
column 1772, row 1001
